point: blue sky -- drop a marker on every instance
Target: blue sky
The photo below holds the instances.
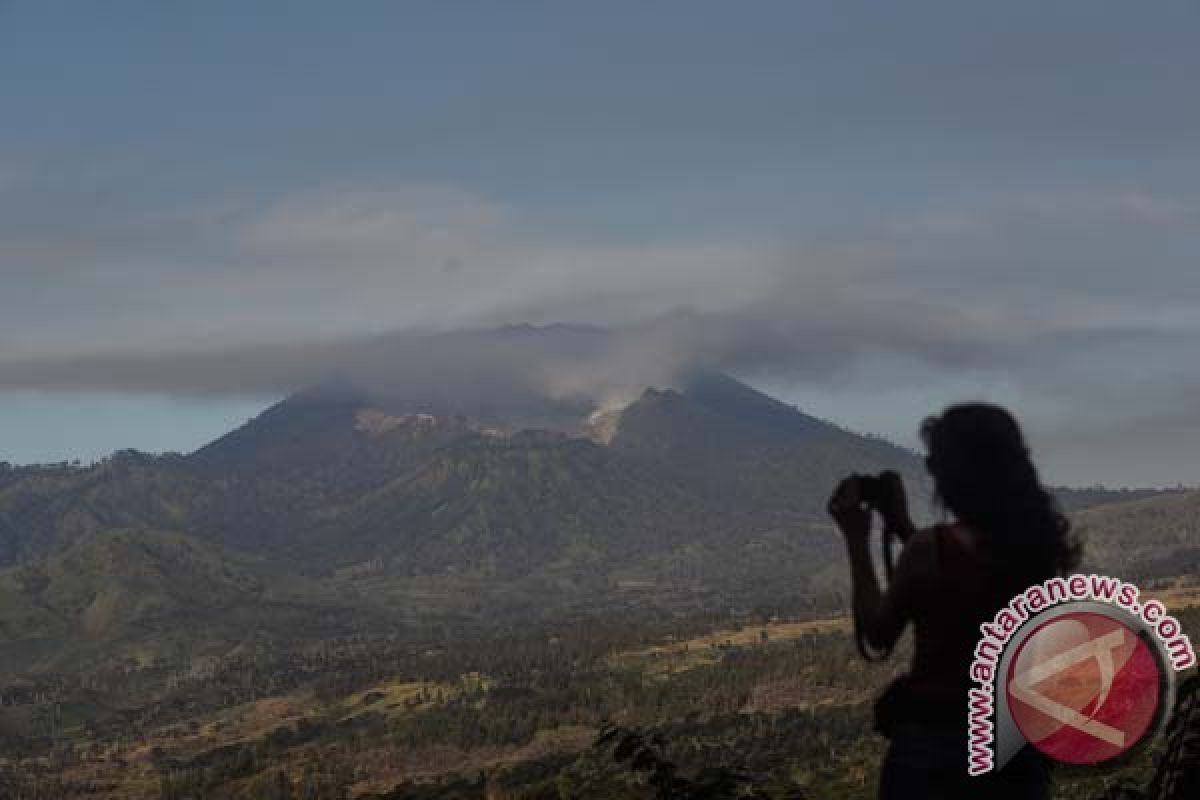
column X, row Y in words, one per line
column 940, row 201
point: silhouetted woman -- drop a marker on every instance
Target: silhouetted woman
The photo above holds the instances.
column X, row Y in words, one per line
column 1005, row 533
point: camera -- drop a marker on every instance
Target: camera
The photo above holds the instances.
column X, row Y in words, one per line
column 872, row 490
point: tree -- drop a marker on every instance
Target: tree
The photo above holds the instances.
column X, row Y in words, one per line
column 270, row 786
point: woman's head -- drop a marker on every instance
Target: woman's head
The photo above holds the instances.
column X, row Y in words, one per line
column 984, row 475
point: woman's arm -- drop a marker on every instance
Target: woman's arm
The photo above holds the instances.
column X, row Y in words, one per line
column 871, row 624
column 879, row 616
column 894, row 507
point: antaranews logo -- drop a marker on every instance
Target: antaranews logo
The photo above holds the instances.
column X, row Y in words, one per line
column 1078, row 667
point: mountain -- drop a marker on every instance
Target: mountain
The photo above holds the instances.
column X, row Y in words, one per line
column 1080, row 499
column 730, row 441
column 1148, row 537
column 342, row 509
column 711, row 493
column 334, row 475
column 142, row 594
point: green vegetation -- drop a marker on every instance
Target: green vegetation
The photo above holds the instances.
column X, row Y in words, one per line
column 342, row 599
column 513, row 716
column 331, row 515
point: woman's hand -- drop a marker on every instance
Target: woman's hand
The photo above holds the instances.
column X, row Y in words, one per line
column 894, row 504
column 848, row 510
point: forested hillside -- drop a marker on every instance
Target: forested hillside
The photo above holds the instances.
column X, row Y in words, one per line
column 353, row 597
column 710, row 497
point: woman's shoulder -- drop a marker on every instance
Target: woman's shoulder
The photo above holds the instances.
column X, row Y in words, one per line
column 942, row 534
column 955, row 550
column 932, row 549
column 919, row 558
column 931, row 538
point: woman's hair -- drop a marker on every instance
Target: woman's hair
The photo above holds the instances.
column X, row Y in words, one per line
column 984, row 475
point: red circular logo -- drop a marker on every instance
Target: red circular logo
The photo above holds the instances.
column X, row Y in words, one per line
column 1083, row 688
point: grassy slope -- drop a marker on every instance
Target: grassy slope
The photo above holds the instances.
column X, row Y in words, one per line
column 1144, row 539
column 144, row 594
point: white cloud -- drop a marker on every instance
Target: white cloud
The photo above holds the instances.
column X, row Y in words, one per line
column 1032, row 293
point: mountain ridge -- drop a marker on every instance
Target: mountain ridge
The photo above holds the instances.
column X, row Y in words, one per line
column 708, row 495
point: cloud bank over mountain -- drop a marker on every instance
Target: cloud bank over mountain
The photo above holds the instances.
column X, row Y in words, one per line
column 874, row 212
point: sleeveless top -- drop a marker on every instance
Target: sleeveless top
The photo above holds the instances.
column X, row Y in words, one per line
column 925, row 712
column 946, row 618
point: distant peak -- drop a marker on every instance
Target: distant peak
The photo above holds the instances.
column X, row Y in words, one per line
column 661, row 396
column 375, row 422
